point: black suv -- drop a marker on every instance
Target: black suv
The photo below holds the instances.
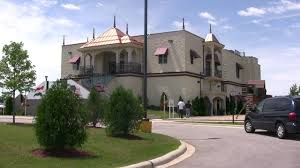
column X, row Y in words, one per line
column 278, row 114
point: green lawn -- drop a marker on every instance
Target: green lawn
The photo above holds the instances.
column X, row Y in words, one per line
column 17, row 142
column 157, row 114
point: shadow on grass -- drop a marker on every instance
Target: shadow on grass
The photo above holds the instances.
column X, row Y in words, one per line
column 68, row 154
column 129, row 137
column 295, row 137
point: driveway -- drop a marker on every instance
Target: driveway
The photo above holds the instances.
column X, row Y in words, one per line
column 231, row 147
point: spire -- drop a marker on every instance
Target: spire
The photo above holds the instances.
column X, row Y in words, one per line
column 93, row 33
column 209, row 28
column 183, row 24
column 127, row 28
column 114, row 21
column 64, row 40
column 87, row 39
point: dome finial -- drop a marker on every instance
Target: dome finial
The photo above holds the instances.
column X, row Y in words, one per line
column 114, row 21
column 183, row 24
column 127, row 28
column 210, row 28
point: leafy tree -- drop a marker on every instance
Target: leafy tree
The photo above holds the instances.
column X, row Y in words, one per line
column 232, row 105
column 196, row 107
column 162, row 100
column 123, row 113
column 8, row 105
column 16, row 70
column 61, row 120
column 202, row 107
column 95, row 106
column 294, row 90
column 228, row 110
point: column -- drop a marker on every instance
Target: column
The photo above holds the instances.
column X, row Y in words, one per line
column 129, row 58
column 117, row 60
column 212, row 63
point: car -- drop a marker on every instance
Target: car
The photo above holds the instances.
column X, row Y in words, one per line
column 278, row 114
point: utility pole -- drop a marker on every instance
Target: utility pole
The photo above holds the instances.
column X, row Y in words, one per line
column 145, row 58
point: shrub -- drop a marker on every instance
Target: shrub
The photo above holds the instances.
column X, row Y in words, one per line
column 123, row 113
column 162, row 103
column 198, row 108
column 61, row 121
column 180, row 98
column 95, row 106
column 8, row 106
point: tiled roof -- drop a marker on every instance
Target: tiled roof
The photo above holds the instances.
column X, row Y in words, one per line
column 257, row 83
column 111, row 36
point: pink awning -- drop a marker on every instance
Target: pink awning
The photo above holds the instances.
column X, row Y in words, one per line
column 161, row 51
column 74, row 59
column 257, row 83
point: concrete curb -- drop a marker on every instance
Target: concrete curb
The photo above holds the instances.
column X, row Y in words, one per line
column 161, row 160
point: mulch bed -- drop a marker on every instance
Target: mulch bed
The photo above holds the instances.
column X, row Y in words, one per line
column 62, row 153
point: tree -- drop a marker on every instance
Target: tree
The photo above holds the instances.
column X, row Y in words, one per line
column 95, row 106
column 162, row 102
column 61, row 120
column 16, row 70
column 8, row 105
column 122, row 113
column 294, row 90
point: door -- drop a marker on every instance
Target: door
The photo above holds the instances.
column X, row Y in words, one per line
column 256, row 116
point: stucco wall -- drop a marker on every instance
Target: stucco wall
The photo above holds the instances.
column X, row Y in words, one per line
column 173, row 86
column 66, row 67
column 129, row 82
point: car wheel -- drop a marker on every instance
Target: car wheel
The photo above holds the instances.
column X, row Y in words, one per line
column 248, row 126
column 280, row 131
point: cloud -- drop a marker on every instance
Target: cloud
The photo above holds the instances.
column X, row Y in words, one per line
column 70, row 6
column 227, row 27
column 252, row 11
column 46, row 3
column 41, row 34
column 275, row 8
column 99, row 4
column 212, row 22
column 207, row 15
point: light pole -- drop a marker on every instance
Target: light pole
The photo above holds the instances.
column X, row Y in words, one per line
column 46, row 77
column 145, row 57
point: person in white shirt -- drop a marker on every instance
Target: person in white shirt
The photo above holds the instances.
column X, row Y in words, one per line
column 181, row 108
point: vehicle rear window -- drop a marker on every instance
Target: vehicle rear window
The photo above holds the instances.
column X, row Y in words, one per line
column 297, row 105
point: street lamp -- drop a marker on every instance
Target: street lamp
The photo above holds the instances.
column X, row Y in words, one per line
column 46, row 77
column 145, row 57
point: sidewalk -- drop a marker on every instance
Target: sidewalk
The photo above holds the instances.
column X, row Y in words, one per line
column 212, row 119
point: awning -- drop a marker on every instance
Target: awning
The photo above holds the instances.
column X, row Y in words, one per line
column 74, row 60
column 239, row 66
column 161, row 51
column 194, row 54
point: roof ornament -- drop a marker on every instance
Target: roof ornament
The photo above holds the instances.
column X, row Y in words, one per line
column 93, row 33
column 87, row 39
column 183, row 24
column 64, row 40
column 209, row 28
column 127, row 28
column 114, row 21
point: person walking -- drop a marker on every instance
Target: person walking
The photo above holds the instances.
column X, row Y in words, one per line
column 181, row 106
column 188, row 109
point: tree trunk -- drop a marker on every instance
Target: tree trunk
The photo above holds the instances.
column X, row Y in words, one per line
column 14, row 111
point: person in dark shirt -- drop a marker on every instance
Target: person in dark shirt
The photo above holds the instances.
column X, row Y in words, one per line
column 188, row 109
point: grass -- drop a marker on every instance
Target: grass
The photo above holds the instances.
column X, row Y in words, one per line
column 158, row 114
column 17, row 142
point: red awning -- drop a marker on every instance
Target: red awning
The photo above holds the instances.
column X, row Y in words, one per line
column 257, row 83
column 161, row 51
column 74, row 59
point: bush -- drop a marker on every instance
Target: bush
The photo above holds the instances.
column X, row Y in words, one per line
column 198, row 108
column 61, row 121
column 95, row 106
column 162, row 103
column 123, row 113
column 8, row 106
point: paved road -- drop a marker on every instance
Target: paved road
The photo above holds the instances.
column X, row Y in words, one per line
column 231, row 147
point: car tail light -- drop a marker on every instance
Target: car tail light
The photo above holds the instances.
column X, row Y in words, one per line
column 292, row 116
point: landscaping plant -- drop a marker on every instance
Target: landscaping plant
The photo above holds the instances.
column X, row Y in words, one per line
column 8, row 106
column 95, row 106
column 122, row 113
column 61, row 121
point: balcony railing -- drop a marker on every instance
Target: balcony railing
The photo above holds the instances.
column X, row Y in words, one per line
column 86, row 70
column 121, row 68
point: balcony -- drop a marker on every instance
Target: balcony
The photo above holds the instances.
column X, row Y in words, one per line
column 86, row 70
column 122, row 68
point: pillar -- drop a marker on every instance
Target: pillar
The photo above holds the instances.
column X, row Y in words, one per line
column 129, row 58
column 212, row 63
column 117, row 60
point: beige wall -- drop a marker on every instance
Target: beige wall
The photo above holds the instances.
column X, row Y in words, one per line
column 66, row 67
column 129, row 82
column 174, row 86
column 195, row 43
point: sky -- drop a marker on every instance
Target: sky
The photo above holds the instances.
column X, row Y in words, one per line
column 266, row 29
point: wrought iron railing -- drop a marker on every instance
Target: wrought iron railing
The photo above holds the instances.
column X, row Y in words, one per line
column 124, row 68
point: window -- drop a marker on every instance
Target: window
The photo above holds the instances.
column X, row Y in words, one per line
column 237, row 71
column 163, row 59
column 277, row 104
column 76, row 66
column 192, row 59
column 259, row 107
